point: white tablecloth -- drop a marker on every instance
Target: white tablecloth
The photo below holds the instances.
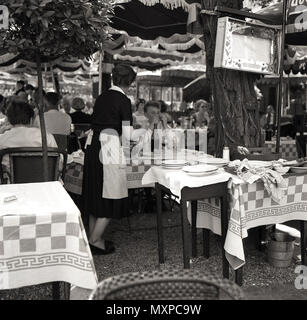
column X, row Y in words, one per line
column 42, row 239
column 176, row 180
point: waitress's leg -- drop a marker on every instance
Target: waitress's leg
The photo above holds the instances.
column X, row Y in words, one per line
column 92, row 223
column 96, row 237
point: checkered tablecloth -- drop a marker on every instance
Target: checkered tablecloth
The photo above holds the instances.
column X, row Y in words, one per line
column 287, row 149
column 74, row 177
column 45, row 245
column 251, row 206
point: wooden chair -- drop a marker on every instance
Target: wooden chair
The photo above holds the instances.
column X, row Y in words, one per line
column 26, row 164
column 167, row 285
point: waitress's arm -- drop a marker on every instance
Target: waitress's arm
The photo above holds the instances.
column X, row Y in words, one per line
column 131, row 134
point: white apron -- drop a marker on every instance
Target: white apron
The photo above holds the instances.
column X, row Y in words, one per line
column 114, row 167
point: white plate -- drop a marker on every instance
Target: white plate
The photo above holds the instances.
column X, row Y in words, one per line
column 299, row 169
column 174, row 163
column 200, row 169
column 260, row 164
column 216, row 161
column 201, row 174
column 172, row 167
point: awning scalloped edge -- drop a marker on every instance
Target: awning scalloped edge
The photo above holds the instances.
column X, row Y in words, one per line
column 146, row 60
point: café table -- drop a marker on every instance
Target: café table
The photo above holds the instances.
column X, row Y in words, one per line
column 42, row 239
column 251, row 206
column 189, row 189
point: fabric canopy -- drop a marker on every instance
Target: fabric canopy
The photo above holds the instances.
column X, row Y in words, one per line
column 297, row 26
column 16, row 64
column 153, row 19
column 146, row 58
column 197, row 89
column 184, row 74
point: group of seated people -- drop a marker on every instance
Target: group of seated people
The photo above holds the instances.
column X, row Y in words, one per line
column 20, row 122
column 146, row 111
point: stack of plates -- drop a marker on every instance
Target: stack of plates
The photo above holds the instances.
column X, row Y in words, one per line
column 200, row 170
column 216, row 162
column 174, row 164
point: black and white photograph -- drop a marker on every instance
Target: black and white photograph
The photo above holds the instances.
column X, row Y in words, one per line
column 153, row 153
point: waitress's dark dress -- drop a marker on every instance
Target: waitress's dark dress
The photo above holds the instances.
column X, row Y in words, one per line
column 110, row 110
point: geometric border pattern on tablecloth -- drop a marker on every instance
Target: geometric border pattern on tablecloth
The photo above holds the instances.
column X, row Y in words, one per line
column 46, row 260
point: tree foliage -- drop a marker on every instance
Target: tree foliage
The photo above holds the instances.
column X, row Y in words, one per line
column 42, row 30
column 56, row 28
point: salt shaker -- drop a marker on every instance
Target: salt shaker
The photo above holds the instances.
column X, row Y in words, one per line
column 226, row 154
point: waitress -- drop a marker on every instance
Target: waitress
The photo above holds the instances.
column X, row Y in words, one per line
column 105, row 190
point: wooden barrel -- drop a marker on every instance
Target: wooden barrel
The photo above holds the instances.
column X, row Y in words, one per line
column 280, row 253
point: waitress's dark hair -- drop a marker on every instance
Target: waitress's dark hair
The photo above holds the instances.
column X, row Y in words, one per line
column 123, row 76
column 19, row 113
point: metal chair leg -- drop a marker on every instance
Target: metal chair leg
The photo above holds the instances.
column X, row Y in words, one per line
column 194, row 229
column 56, row 291
column 206, row 243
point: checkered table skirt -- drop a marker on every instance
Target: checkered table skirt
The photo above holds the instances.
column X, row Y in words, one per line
column 251, row 206
column 287, row 149
column 45, row 248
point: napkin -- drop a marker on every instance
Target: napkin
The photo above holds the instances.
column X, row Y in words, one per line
column 272, row 178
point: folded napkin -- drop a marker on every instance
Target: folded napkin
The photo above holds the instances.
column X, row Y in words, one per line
column 272, row 177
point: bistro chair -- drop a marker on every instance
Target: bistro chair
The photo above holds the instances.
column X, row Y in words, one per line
column 62, row 142
column 81, row 130
column 167, row 285
column 26, row 164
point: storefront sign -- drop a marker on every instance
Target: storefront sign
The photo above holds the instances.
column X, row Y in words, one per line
column 248, row 47
column 297, row 20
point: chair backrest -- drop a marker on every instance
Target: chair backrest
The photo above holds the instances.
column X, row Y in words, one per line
column 62, row 141
column 167, row 285
column 81, row 128
column 26, row 164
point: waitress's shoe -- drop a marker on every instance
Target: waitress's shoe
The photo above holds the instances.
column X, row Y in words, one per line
column 102, row 252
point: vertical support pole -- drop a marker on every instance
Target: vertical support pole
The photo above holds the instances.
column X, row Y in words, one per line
column 304, row 242
column 100, row 72
column 281, row 74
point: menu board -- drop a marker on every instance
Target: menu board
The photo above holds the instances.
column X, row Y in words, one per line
column 248, row 47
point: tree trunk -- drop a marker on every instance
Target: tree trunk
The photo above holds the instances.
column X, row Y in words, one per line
column 42, row 118
column 234, row 98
